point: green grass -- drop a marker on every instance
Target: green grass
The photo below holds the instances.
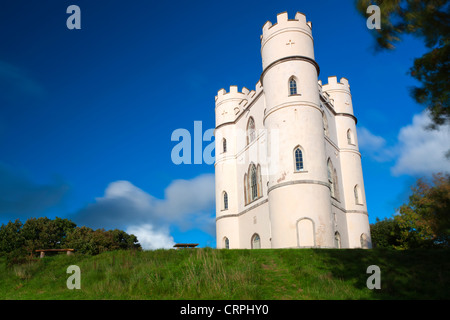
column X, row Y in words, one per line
column 233, row 274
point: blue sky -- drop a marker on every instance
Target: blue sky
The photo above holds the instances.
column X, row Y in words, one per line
column 86, row 116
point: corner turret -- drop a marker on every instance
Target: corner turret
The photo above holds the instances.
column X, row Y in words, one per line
column 339, row 92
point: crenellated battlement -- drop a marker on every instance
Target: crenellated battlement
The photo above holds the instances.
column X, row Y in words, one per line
column 333, row 84
column 283, row 23
column 245, row 95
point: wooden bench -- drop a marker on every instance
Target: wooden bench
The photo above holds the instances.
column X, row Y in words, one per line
column 43, row 251
column 185, row 245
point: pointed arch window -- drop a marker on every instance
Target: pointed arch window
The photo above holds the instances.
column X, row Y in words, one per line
column 252, row 184
column 357, row 192
column 256, row 241
column 349, row 137
column 226, row 243
column 292, row 86
column 364, row 239
column 325, row 124
column 335, row 185
column 246, row 195
column 330, row 173
column 337, row 240
column 225, row 201
column 250, row 130
column 298, row 158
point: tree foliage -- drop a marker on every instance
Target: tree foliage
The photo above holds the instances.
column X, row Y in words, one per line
column 430, row 21
column 423, row 222
column 19, row 240
column 89, row 241
column 385, row 233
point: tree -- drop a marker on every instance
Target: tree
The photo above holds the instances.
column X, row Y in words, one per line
column 19, row 241
column 422, row 222
column 385, row 233
column 429, row 20
column 10, row 236
column 425, row 220
column 44, row 233
column 89, row 241
column 427, row 214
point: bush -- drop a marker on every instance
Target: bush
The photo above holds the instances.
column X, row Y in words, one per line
column 20, row 241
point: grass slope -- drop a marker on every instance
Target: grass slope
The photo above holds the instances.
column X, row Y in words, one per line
column 233, row 274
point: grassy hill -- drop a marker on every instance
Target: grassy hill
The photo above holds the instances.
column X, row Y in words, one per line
column 233, row 274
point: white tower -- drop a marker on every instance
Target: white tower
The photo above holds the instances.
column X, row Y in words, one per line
column 288, row 169
column 299, row 201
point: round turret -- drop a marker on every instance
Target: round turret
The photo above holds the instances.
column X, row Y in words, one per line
column 287, row 37
column 339, row 92
column 230, row 104
column 299, row 198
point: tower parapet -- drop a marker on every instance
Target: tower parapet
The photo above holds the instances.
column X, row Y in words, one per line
column 287, row 37
column 230, row 104
column 333, row 84
column 339, row 92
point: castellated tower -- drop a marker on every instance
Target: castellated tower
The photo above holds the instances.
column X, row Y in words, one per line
column 288, row 169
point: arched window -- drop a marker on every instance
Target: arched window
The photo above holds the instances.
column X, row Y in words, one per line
column 364, row 241
column 349, row 137
column 250, row 130
column 253, row 183
column 325, row 124
column 258, row 178
column 256, row 241
column 225, row 201
column 357, row 192
column 292, row 86
column 246, row 195
column 330, row 173
column 335, row 184
column 298, row 159
column 226, row 243
column 337, row 240
column 224, row 145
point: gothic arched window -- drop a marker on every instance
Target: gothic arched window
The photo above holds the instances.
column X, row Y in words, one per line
column 298, row 158
column 250, row 130
column 337, row 240
column 325, row 125
column 357, row 192
column 292, row 86
column 335, row 184
column 225, row 201
column 349, row 137
column 253, row 183
column 226, row 243
column 330, row 173
column 256, row 241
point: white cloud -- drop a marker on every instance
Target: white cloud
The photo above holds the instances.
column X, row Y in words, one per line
column 374, row 146
column 187, row 204
column 418, row 150
column 367, row 140
column 188, row 196
column 422, row 151
column 151, row 238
